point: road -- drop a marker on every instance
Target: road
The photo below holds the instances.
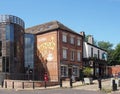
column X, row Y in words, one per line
column 52, row 91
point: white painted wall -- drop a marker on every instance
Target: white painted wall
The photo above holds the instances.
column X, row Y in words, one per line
column 87, row 51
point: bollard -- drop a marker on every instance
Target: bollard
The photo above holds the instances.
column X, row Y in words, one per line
column 2, row 84
column 33, row 85
column 99, row 83
column 5, row 84
column 119, row 82
column 23, row 85
column 45, row 84
column 60, row 82
column 71, row 82
column 114, row 85
column 13, row 85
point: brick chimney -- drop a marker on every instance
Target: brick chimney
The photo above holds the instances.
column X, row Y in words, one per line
column 82, row 34
column 91, row 39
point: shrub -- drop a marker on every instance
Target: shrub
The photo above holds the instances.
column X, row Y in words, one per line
column 87, row 71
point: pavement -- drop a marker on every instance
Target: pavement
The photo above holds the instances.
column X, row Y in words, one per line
column 106, row 86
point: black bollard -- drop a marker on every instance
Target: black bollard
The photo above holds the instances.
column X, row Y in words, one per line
column 114, row 85
column 33, row 85
column 45, row 84
column 23, row 85
column 99, row 83
column 13, row 85
column 60, row 82
column 5, row 84
column 71, row 82
column 2, row 84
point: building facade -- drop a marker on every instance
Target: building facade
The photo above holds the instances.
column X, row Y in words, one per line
column 94, row 57
column 11, row 46
column 58, row 51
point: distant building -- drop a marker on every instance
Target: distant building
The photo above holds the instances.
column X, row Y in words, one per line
column 94, row 57
column 11, row 46
column 58, row 51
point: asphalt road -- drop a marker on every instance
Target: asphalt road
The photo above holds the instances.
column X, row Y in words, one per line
column 52, row 91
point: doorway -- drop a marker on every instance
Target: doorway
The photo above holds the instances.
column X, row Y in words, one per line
column 69, row 72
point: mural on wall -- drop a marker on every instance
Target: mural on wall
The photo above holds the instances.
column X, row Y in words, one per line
column 46, row 47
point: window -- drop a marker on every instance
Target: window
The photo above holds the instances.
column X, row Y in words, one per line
column 91, row 52
column 75, row 71
column 5, row 64
column 104, row 56
column 78, row 56
column 64, row 37
column 98, row 54
column 10, row 32
column 72, row 54
column 64, row 71
column 78, row 42
column 64, row 53
column 95, row 55
column 29, row 50
column 71, row 40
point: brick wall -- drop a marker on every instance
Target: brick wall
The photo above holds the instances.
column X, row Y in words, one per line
column 113, row 70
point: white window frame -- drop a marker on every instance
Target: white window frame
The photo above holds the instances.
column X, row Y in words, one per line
column 78, row 41
column 79, row 56
column 75, row 70
column 64, row 37
column 72, row 39
column 72, row 55
column 64, row 71
column 64, row 53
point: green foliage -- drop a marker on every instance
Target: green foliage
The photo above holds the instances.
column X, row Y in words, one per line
column 116, row 55
column 87, row 71
column 108, row 47
column 105, row 45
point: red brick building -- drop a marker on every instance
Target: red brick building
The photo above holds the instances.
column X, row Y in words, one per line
column 113, row 70
column 58, row 51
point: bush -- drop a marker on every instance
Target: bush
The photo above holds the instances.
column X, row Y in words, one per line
column 87, row 71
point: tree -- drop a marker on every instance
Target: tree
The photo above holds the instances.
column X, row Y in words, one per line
column 116, row 55
column 105, row 45
column 108, row 47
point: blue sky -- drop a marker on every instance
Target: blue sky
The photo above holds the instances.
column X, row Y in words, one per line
column 100, row 18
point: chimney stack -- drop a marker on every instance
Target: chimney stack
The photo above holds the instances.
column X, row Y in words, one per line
column 91, row 39
column 82, row 34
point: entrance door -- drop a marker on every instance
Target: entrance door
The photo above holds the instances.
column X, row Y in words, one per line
column 70, row 72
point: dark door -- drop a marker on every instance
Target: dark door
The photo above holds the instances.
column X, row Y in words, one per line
column 69, row 72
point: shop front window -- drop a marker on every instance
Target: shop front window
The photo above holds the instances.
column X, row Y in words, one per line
column 64, row 71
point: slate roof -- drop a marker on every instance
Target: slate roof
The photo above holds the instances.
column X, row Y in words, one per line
column 53, row 25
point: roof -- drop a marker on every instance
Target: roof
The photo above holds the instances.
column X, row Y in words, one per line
column 53, row 25
column 95, row 46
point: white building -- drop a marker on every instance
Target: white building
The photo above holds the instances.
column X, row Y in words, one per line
column 92, row 51
column 94, row 57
